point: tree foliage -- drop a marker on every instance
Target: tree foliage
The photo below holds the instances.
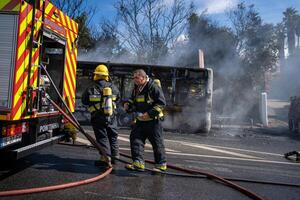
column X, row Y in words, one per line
column 149, row 27
column 107, row 42
column 84, row 32
column 256, row 43
column 81, row 12
column 74, row 8
column 291, row 21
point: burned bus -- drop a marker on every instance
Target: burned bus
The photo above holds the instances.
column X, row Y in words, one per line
column 188, row 92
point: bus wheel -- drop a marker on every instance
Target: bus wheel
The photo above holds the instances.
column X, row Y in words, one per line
column 124, row 119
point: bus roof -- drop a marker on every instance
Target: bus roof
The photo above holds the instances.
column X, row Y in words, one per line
column 93, row 64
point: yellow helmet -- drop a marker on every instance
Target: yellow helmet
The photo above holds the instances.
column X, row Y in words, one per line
column 101, row 70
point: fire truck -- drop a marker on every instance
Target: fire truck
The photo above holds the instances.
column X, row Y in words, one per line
column 37, row 41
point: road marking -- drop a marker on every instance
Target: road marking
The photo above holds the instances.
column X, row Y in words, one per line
column 146, row 150
column 209, row 156
column 218, row 150
column 238, row 149
column 84, row 141
column 146, row 145
column 245, row 150
column 233, row 158
column 221, row 157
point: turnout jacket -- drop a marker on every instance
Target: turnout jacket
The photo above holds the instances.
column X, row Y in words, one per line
column 148, row 98
column 92, row 97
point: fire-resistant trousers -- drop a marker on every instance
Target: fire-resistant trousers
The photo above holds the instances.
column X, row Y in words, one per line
column 151, row 130
column 107, row 137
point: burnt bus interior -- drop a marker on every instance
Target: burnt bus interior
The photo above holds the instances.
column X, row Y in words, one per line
column 185, row 90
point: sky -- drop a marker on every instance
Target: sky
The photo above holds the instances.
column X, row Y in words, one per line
column 270, row 10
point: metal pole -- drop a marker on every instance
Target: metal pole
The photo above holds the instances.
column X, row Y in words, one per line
column 264, row 109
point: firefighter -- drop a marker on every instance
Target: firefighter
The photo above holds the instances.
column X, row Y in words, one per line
column 101, row 99
column 147, row 102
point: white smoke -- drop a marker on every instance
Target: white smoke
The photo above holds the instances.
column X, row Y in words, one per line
column 96, row 55
column 286, row 83
column 217, row 6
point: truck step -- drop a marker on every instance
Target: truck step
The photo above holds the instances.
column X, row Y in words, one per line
column 25, row 151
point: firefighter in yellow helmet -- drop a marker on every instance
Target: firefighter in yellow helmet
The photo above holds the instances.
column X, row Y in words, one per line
column 101, row 98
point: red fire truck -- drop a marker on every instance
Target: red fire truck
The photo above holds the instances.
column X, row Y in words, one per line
column 34, row 35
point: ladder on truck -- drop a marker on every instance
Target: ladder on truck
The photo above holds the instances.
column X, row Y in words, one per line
column 32, row 106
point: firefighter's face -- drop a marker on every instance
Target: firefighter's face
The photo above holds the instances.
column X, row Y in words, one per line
column 138, row 79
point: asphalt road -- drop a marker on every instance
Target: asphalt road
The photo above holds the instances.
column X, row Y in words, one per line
column 232, row 153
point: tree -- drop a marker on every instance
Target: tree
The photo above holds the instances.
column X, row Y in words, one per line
column 280, row 35
column 82, row 13
column 241, row 18
column 256, row 44
column 107, row 43
column 75, row 8
column 150, row 27
column 84, row 32
column 291, row 21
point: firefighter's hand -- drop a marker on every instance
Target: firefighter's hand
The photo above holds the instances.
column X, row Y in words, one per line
column 145, row 116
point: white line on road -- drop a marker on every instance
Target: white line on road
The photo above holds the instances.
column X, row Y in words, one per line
column 233, row 158
column 220, row 150
column 84, row 141
column 146, row 145
column 230, row 148
column 206, row 156
column 217, row 150
column 245, row 150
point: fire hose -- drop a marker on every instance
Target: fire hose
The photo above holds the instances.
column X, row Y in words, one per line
column 54, row 187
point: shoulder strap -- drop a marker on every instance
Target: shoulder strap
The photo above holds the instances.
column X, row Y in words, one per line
column 96, row 86
column 100, row 88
